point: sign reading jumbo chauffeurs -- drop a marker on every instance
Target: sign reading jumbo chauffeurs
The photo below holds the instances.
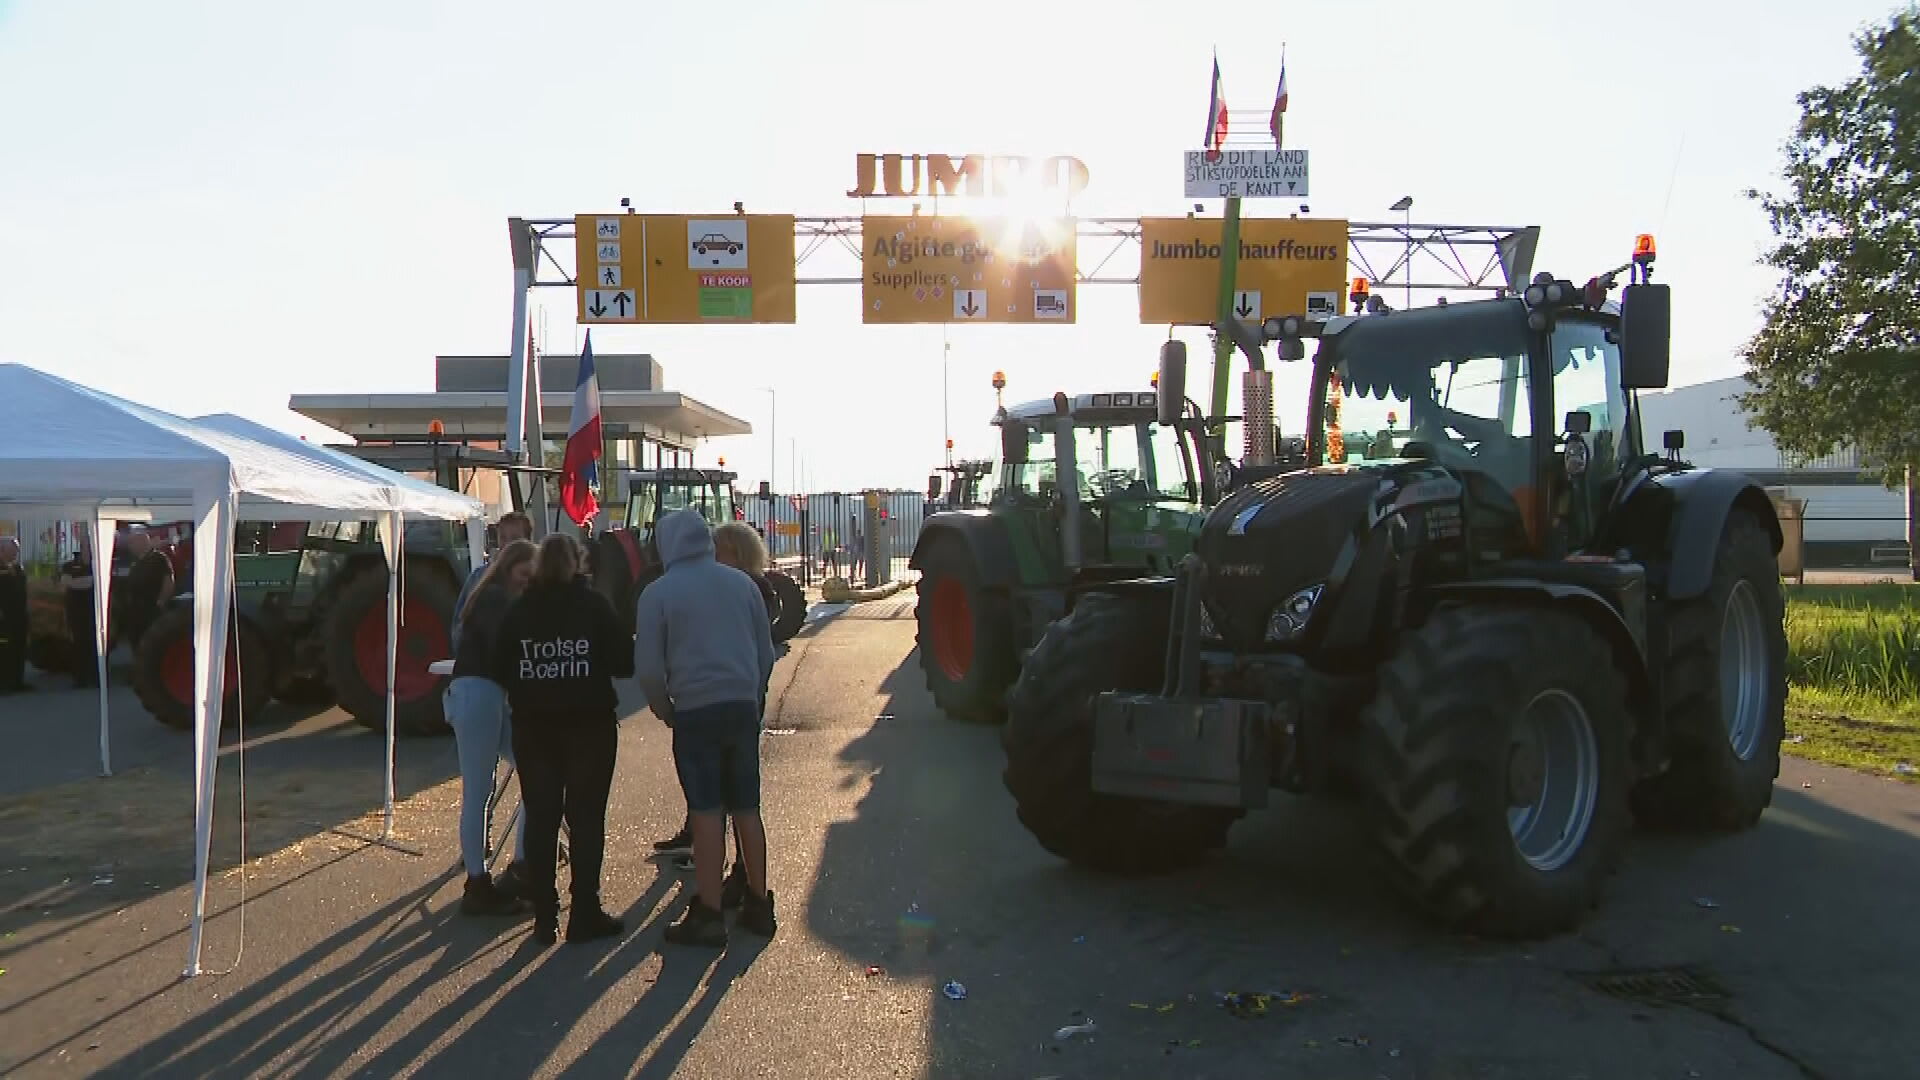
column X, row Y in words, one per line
column 1247, row 174
column 1288, row 266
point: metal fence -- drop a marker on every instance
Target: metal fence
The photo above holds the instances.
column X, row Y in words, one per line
column 815, row 532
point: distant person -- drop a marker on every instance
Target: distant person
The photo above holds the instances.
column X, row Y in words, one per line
column 703, row 652
column 76, row 591
column 148, row 588
column 741, row 547
column 483, row 730
column 513, row 525
column 13, row 618
column 557, row 653
column 857, row 553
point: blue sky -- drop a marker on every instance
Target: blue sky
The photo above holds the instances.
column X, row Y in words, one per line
column 208, row 206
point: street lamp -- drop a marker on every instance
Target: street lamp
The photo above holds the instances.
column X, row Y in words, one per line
column 1405, row 206
column 773, row 435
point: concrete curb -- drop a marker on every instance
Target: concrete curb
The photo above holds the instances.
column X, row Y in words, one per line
column 835, row 591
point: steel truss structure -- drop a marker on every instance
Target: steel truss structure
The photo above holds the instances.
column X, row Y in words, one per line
column 1390, row 255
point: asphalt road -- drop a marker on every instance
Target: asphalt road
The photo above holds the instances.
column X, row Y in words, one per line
column 896, row 849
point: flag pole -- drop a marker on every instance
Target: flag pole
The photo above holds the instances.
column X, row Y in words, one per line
column 1229, row 269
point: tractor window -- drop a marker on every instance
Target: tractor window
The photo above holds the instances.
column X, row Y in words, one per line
column 1141, row 461
column 1035, row 479
column 640, row 508
column 1586, row 377
column 1473, row 413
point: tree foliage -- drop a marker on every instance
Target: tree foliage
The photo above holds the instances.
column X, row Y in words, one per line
column 1837, row 361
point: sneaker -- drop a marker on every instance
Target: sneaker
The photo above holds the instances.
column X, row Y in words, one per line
column 513, row 880
column 700, row 926
column 587, row 921
column 482, row 898
column 680, row 843
column 733, row 891
column 756, row 914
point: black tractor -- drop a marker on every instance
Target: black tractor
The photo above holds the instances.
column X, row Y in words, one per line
column 1509, row 638
column 625, row 558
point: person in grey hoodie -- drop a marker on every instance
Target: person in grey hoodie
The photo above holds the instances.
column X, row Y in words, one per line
column 703, row 652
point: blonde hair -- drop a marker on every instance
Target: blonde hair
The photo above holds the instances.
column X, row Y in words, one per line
column 558, row 561
column 738, row 544
column 499, row 569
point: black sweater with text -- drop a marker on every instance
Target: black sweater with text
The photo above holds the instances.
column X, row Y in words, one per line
column 558, row 650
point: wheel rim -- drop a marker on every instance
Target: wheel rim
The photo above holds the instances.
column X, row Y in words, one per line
column 952, row 629
column 1743, row 671
column 423, row 639
column 1553, row 780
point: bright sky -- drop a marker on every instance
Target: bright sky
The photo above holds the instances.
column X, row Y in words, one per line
column 211, row 205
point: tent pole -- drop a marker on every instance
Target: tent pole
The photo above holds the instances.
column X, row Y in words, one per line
column 103, row 537
column 393, row 527
column 212, row 567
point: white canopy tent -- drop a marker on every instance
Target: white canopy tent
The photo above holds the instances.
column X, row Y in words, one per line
column 74, row 453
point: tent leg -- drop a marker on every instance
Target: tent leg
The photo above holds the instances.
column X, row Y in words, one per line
column 103, row 537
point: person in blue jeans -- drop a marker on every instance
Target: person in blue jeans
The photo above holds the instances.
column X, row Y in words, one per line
column 703, row 651
column 483, row 728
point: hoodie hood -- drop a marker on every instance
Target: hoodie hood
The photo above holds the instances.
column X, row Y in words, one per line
column 683, row 535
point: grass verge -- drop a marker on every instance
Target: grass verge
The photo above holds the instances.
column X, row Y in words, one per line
column 1853, row 674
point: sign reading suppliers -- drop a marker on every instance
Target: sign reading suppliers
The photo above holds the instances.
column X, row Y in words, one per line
column 953, row 269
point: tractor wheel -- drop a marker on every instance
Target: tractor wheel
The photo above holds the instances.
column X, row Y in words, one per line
column 1107, row 642
column 356, row 644
column 1726, row 691
column 163, row 670
column 1500, row 770
column 792, row 613
column 965, row 636
column 613, row 576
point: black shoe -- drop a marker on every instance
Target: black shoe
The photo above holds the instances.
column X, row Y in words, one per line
column 756, row 914
column 546, row 923
column 587, row 921
column 733, row 891
column 680, row 843
column 701, row 926
column 482, row 898
column 513, row 880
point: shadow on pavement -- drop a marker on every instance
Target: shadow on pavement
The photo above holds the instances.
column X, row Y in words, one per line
column 934, row 879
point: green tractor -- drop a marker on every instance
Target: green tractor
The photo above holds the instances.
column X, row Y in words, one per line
column 312, row 625
column 1091, row 488
column 625, row 558
column 1512, row 637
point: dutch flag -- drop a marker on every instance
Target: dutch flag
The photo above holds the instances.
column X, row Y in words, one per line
column 578, row 476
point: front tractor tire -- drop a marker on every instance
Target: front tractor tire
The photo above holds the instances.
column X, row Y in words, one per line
column 964, row 634
column 1725, row 686
column 1108, row 642
column 791, row 614
column 1498, row 740
column 163, row 670
column 356, row 648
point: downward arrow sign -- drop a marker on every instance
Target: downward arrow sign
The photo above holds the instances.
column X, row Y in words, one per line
column 970, row 309
column 596, row 309
column 1244, row 309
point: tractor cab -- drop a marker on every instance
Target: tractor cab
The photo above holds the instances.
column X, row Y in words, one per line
column 967, row 488
column 653, row 492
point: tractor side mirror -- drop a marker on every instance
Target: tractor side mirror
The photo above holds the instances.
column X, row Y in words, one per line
column 1173, row 381
column 766, row 491
column 1646, row 328
column 933, row 487
column 1013, row 442
column 1579, row 422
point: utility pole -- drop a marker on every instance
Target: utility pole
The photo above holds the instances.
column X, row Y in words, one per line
column 1222, row 340
column 773, row 437
column 1405, row 205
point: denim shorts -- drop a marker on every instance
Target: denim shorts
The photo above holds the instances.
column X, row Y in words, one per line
column 716, row 750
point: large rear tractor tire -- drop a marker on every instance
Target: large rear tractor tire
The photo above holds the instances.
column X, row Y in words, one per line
column 966, row 642
column 792, row 613
column 613, row 576
column 1108, row 642
column 163, row 670
column 356, row 646
column 1725, row 683
column 1498, row 741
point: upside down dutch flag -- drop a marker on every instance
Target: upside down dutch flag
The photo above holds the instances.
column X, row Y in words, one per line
column 1216, row 138
column 578, row 474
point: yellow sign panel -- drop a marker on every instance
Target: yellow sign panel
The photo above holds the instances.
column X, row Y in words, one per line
column 954, row 269
column 681, row 268
column 1288, row 266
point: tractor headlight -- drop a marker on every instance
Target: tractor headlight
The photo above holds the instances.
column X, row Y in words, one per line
column 1291, row 616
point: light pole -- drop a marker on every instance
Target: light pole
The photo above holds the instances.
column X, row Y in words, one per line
column 1405, row 206
column 773, row 436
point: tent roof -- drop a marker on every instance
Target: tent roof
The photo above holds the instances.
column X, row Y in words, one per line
column 420, row 497
column 67, row 449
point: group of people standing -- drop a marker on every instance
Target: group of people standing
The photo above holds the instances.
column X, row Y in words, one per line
column 138, row 600
column 536, row 651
